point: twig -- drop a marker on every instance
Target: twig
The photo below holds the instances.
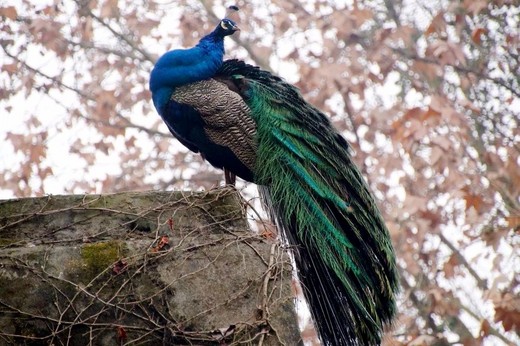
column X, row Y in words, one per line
column 88, row 97
column 482, row 284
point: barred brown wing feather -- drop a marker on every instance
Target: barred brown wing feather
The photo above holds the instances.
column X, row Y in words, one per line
column 227, row 118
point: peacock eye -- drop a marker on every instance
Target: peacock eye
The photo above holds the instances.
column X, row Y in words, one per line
column 223, row 25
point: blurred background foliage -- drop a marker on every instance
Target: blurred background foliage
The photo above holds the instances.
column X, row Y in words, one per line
column 426, row 92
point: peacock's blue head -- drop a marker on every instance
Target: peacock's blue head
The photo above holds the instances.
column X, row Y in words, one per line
column 183, row 66
column 226, row 27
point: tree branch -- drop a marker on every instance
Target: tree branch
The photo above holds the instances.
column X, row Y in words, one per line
column 117, row 34
column 482, row 284
column 478, row 73
column 86, row 96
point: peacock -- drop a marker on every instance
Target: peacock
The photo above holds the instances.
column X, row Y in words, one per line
column 254, row 125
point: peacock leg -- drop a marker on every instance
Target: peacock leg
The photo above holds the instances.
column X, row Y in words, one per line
column 229, row 177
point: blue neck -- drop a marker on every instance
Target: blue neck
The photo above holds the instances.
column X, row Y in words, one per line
column 183, row 66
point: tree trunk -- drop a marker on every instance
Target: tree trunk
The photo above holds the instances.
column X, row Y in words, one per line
column 141, row 268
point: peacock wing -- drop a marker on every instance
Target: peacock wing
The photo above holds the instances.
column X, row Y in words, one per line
column 226, row 122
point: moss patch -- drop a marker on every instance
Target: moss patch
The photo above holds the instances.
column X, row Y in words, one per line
column 8, row 241
column 99, row 256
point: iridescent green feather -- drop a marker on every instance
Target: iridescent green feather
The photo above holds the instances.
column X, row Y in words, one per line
column 321, row 201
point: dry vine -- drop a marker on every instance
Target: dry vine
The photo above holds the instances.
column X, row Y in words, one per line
column 120, row 282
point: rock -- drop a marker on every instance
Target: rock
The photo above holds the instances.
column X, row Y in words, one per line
column 148, row 268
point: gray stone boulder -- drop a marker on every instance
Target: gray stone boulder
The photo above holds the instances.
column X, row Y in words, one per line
column 143, row 268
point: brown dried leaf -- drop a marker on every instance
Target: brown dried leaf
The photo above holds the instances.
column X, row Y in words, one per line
column 412, row 204
column 443, row 302
column 450, row 265
column 45, row 172
column 106, row 102
column 485, row 328
column 404, row 34
column 475, row 7
column 513, row 221
column 104, row 146
column 437, row 25
column 429, row 70
column 440, row 51
column 393, row 228
column 343, row 24
column 360, row 16
column 10, row 68
column 458, row 52
column 474, row 201
column 509, row 317
column 19, row 141
column 8, row 12
column 121, row 335
column 441, row 104
column 86, row 29
column 493, row 237
column 469, row 105
column 119, row 267
column 109, row 9
column 162, row 245
column 477, row 34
